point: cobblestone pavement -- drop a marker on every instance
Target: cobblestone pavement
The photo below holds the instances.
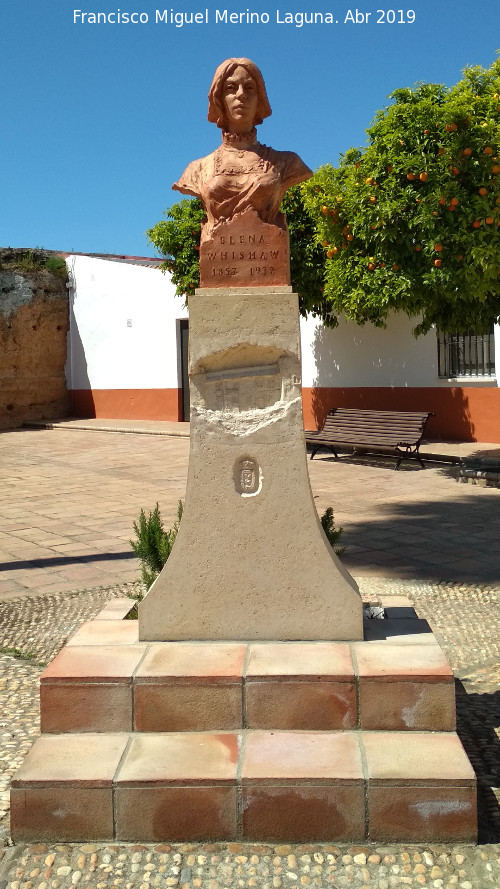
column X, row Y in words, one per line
column 466, row 620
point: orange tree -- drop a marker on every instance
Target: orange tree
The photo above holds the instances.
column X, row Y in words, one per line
column 411, row 222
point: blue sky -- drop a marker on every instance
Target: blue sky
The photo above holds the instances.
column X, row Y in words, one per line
column 98, row 120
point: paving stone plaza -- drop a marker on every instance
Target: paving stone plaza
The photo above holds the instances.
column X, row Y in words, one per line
column 68, row 498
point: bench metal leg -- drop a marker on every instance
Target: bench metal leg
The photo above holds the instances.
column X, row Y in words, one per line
column 409, row 453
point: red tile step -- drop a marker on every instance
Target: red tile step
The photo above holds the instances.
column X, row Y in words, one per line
column 252, row 785
column 105, row 680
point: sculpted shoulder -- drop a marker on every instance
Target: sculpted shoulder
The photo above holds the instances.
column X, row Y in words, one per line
column 195, row 175
column 292, row 168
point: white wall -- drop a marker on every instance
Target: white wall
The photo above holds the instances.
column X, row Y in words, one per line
column 351, row 355
column 123, row 331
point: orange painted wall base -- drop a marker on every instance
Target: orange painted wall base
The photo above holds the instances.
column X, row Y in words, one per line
column 127, row 404
column 461, row 413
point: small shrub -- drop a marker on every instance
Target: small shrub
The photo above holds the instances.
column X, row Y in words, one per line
column 56, row 264
column 333, row 534
column 153, row 544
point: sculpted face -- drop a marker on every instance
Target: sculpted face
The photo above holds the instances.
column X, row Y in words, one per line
column 240, row 100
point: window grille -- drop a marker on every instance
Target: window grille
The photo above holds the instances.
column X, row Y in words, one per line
column 468, row 354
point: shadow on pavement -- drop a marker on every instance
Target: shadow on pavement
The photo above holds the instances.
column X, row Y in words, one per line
column 55, row 561
column 477, row 718
column 444, row 540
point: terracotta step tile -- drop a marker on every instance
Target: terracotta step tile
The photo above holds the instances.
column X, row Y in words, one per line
column 290, row 686
column 180, row 758
column 191, row 707
column 303, row 814
column 89, row 689
column 288, row 757
column 106, row 632
column 183, row 686
column 175, row 814
column 193, row 661
column 63, row 789
column 312, row 706
column 388, row 663
column 421, row 787
column 82, row 663
column 85, row 707
column 411, row 758
column 413, row 690
column 300, row 660
column 422, row 814
column 300, row 786
column 178, row 787
column 411, row 706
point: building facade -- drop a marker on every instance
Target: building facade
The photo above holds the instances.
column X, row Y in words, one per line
column 127, row 358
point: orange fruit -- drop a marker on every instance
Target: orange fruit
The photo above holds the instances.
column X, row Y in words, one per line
column 460, row 257
column 423, row 176
column 454, row 202
column 372, row 199
column 350, row 237
column 483, row 191
column 455, row 171
column 442, row 201
column 476, row 224
column 325, row 211
column 438, row 263
column 417, row 248
column 488, row 150
column 369, row 180
column 371, row 266
column 467, row 152
column 410, row 176
column 495, row 169
column 438, row 248
column 489, row 220
column 395, row 267
column 389, row 168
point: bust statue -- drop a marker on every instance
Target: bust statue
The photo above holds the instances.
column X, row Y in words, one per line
column 241, row 174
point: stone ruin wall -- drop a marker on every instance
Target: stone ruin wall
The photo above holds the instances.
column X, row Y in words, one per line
column 34, row 319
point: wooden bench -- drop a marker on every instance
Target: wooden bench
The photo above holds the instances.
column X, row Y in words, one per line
column 396, row 432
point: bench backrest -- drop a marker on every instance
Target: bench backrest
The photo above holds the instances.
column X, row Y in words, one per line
column 407, row 426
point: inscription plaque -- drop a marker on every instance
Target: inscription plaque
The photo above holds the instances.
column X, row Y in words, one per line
column 245, row 252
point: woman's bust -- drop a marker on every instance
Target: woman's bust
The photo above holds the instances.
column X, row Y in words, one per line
column 241, row 174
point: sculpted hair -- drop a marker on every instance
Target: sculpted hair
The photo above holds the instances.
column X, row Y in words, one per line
column 216, row 112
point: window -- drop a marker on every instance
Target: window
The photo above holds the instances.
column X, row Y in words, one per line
column 468, row 354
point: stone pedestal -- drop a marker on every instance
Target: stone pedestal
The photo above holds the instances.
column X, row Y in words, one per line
column 251, row 560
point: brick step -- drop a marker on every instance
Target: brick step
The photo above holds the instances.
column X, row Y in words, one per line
column 252, row 785
column 105, row 680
